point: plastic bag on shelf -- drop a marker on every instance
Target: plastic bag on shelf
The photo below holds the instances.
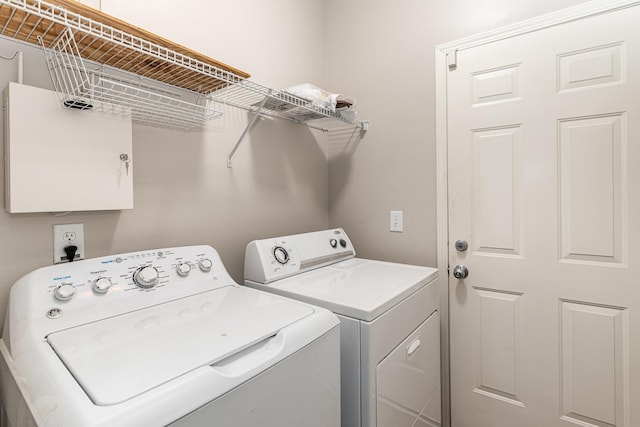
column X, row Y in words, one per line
column 322, row 98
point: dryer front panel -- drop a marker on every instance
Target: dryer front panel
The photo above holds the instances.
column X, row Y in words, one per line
column 408, row 379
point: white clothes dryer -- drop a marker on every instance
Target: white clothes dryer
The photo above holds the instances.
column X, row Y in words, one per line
column 390, row 327
column 163, row 337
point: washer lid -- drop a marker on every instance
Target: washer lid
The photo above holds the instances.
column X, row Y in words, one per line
column 118, row 358
column 359, row 288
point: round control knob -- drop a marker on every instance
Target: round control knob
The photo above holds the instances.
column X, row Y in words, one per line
column 333, row 243
column 101, row 285
column 146, row 277
column 205, row 264
column 281, row 255
column 183, row 269
column 64, row 292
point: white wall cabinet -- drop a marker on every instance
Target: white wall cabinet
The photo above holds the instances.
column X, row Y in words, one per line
column 59, row 159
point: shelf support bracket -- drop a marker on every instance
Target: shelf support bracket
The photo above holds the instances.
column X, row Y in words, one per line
column 253, row 119
column 18, row 54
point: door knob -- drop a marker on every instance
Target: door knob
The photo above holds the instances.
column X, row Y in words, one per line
column 460, row 272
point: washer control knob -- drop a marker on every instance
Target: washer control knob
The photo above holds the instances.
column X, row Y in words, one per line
column 333, row 243
column 101, row 285
column 183, row 269
column 281, row 255
column 64, row 292
column 205, row 264
column 146, row 277
column 343, row 243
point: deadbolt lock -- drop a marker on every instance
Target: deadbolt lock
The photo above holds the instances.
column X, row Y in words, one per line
column 461, row 245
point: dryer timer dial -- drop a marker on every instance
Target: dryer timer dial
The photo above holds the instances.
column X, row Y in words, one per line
column 281, row 255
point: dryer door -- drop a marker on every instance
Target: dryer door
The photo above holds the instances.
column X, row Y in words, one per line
column 408, row 379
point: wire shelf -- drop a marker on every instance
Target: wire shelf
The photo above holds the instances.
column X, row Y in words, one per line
column 98, row 90
column 250, row 95
column 147, row 62
column 109, row 41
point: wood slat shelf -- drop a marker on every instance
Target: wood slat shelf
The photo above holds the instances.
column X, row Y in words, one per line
column 72, row 33
column 106, row 40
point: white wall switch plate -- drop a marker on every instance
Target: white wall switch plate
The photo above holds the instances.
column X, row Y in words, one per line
column 395, row 221
column 65, row 235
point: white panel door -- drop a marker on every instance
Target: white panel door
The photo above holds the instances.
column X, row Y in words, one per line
column 544, row 185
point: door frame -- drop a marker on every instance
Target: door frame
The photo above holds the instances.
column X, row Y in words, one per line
column 445, row 60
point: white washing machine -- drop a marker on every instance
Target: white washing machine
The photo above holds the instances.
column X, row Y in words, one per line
column 163, row 337
column 389, row 312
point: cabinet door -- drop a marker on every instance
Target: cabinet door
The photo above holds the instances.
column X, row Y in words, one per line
column 58, row 159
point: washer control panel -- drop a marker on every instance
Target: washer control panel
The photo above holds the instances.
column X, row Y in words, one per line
column 272, row 259
column 94, row 288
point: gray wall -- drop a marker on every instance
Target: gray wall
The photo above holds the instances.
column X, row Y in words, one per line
column 382, row 51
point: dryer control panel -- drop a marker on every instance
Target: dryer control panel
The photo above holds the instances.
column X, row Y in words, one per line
column 272, row 259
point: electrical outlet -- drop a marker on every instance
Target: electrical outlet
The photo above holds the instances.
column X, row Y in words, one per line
column 395, row 221
column 65, row 235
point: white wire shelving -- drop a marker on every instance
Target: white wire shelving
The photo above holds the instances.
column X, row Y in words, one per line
column 248, row 95
column 154, row 79
column 263, row 100
column 159, row 85
column 94, row 89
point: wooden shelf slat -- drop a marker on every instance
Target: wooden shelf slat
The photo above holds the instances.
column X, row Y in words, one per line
column 101, row 45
